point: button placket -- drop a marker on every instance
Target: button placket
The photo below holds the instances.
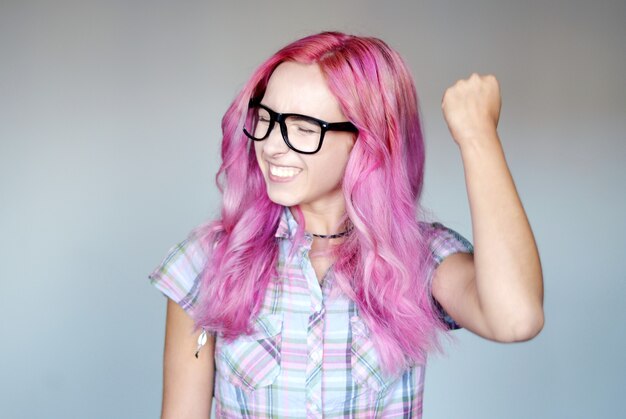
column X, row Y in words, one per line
column 315, row 338
column 315, row 341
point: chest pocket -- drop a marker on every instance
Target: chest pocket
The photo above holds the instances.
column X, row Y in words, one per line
column 366, row 368
column 252, row 361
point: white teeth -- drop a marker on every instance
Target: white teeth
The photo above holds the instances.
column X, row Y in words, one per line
column 284, row 171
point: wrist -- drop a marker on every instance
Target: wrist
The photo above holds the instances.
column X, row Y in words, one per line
column 480, row 150
column 478, row 142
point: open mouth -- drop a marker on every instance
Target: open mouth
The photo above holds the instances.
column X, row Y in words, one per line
column 282, row 173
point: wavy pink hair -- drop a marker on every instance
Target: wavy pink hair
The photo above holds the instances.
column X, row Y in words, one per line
column 383, row 264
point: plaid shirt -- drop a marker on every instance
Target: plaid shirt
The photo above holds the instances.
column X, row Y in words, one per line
column 310, row 355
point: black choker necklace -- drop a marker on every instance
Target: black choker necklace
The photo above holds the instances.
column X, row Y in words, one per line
column 333, row 236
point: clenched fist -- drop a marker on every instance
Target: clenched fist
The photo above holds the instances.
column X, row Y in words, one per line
column 471, row 108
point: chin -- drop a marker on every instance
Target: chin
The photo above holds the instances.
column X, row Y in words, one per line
column 283, row 199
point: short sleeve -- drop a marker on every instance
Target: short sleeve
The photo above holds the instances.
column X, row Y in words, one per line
column 443, row 242
column 178, row 276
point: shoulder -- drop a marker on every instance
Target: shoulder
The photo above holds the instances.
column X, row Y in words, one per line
column 188, row 255
column 178, row 274
column 444, row 241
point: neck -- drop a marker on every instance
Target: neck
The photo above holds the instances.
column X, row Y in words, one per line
column 324, row 220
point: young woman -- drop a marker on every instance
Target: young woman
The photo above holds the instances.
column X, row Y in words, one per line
column 318, row 292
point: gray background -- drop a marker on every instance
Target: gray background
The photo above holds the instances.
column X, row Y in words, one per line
column 109, row 130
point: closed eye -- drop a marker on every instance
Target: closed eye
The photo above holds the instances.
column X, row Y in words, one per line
column 305, row 130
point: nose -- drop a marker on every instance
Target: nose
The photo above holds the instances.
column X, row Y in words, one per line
column 274, row 143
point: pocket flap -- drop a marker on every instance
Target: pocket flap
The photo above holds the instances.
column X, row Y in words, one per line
column 253, row 361
column 267, row 325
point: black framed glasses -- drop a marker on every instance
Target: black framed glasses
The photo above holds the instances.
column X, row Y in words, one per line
column 302, row 133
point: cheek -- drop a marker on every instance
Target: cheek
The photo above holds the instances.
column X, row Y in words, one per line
column 328, row 173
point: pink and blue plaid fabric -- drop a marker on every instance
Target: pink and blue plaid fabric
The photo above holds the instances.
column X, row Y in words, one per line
column 310, row 356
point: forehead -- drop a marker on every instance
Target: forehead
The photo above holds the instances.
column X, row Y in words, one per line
column 301, row 88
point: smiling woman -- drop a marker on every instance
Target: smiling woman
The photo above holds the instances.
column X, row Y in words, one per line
column 320, row 289
column 293, row 177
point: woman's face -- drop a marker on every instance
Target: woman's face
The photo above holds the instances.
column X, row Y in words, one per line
column 293, row 178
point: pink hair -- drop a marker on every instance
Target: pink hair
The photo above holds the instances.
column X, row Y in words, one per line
column 383, row 263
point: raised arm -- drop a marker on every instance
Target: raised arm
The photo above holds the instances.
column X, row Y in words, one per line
column 497, row 293
column 187, row 380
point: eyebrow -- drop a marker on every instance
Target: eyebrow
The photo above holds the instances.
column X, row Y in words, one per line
column 299, row 117
column 296, row 115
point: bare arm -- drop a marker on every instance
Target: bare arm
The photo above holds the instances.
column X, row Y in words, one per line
column 187, row 380
column 497, row 293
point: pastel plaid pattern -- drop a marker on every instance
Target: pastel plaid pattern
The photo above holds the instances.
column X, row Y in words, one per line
column 310, row 355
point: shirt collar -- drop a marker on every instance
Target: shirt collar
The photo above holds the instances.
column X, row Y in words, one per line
column 287, row 226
